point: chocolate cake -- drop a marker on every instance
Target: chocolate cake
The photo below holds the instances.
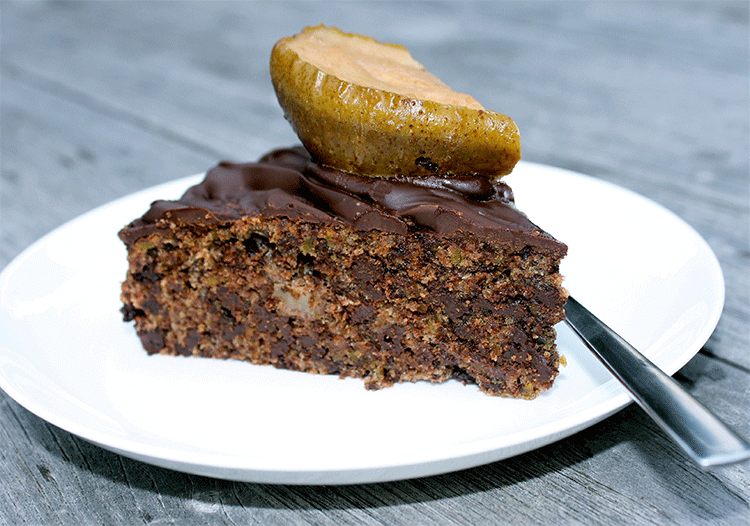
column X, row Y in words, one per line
column 288, row 263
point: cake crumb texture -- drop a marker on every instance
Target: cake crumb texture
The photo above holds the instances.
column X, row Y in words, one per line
column 322, row 297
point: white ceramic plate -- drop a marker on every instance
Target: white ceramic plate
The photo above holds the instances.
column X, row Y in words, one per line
column 66, row 355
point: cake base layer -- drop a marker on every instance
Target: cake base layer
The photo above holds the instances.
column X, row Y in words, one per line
column 322, row 297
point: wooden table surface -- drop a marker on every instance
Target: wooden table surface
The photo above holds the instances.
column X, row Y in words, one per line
column 101, row 99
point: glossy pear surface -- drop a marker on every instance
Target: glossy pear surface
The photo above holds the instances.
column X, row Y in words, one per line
column 369, row 108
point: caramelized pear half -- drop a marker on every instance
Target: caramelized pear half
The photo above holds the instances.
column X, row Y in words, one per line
column 369, row 108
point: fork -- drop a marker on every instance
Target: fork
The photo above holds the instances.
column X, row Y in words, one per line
column 702, row 436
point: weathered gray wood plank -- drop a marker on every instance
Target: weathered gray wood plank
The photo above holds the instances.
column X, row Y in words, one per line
column 101, row 99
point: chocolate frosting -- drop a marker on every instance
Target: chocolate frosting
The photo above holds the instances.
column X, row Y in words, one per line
column 286, row 182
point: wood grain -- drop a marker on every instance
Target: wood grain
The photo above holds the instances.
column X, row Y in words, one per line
column 100, row 99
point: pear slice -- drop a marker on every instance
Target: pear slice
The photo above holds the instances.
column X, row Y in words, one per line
column 369, row 108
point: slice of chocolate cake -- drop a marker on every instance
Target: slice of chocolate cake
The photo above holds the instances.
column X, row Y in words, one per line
column 288, row 263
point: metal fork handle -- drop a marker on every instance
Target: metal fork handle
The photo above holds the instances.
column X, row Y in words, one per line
column 703, row 437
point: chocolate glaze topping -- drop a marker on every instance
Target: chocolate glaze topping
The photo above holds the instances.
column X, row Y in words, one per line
column 286, row 182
